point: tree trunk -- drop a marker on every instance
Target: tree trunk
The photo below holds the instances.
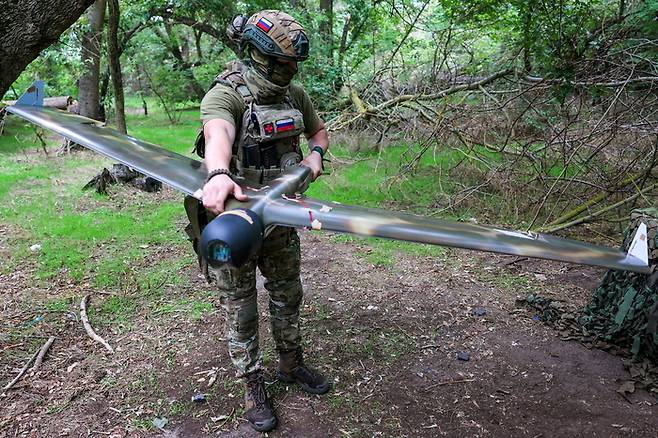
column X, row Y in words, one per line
column 115, row 64
column 326, row 27
column 527, row 23
column 105, row 77
column 342, row 48
column 88, row 92
column 29, row 26
column 104, row 86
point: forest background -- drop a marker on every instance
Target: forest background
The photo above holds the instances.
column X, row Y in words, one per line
column 541, row 114
column 528, row 114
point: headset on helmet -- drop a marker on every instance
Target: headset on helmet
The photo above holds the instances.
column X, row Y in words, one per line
column 273, row 33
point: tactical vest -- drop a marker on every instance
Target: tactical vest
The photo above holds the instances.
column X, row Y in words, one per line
column 267, row 137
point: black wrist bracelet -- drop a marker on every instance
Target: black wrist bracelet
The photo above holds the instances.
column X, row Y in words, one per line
column 216, row 172
column 319, row 150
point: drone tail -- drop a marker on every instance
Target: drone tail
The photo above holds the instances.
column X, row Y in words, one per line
column 33, row 96
column 639, row 246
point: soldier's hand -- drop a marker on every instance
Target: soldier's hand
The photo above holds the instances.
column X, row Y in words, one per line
column 217, row 190
column 314, row 162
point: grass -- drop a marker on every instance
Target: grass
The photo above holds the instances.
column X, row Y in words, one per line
column 363, row 182
column 112, row 242
column 58, row 304
column 194, row 308
column 88, row 237
column 87, row 243
column 118, row 309
column 156, row 127
column 15, row 173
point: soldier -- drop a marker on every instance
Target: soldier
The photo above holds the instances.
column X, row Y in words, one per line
column 252, row 119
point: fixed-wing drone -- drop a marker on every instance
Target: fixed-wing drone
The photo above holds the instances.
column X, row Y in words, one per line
column 233, row 236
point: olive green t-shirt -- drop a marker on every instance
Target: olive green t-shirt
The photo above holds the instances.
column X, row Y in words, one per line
column 223, row 102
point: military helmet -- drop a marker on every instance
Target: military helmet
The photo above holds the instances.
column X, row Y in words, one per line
column 274, row 33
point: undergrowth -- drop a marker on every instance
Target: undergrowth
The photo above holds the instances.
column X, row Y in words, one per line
column 123, row 242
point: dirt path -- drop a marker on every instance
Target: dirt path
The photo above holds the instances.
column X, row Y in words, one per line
column 388, row 335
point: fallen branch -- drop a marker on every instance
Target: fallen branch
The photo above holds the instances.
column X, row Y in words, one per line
column 8, row 347
column 42, row 353
column 589, row 217
column 366, row 111
column 593, row 201
column 21, row 372
column 610, row 84
column 59, row 102
column 441, row 94
column 449, row 382
column 90, row 331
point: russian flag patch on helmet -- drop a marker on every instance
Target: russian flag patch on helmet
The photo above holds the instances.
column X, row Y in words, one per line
column 264, row 24
column 284, row 125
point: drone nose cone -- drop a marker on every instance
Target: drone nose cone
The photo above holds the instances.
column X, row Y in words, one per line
column 232, row 238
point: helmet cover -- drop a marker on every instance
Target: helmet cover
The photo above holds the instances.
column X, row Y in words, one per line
column 277, row 34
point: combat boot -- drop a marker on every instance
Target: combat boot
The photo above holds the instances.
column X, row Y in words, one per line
column 259, row 411
column 293, row 370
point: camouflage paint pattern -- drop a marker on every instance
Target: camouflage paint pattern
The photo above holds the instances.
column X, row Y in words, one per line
column 175, row 170
column 277, row 203
column 280, row 206
column 279, row 262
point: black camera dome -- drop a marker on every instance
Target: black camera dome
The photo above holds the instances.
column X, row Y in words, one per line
column 232, row 238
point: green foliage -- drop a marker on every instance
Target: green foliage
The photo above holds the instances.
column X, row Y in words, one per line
column 77, row 230
column 173, row 62
column 157, row 128
column 383, row 252
column 375, row 172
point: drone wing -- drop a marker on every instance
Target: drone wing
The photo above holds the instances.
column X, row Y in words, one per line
column 276, row 206
column 178, row 171
column 320, row 215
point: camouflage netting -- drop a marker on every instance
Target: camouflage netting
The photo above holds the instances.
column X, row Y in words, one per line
column 624, row 308
column 622, row 316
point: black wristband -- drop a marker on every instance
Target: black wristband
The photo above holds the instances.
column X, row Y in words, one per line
column 216, row 172
column 319, row 150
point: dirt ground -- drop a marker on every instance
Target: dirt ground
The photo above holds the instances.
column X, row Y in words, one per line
column 387, row 335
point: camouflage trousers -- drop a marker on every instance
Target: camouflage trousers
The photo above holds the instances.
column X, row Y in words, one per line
column 278, row 261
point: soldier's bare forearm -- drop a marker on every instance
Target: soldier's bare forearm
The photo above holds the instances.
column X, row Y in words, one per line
column 320, row 138
column 219, row 136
